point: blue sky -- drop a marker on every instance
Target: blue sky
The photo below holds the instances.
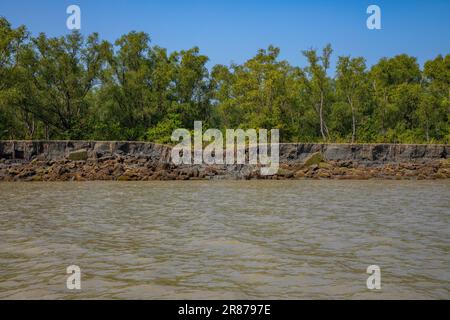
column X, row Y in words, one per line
column 233, row 30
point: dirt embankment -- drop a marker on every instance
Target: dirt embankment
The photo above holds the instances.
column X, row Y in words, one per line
column 99, row 160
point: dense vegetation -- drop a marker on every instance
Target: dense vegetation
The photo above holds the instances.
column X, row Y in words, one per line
column 84, row 88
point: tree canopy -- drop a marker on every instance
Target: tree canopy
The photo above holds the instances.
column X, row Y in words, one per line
column 77, row 87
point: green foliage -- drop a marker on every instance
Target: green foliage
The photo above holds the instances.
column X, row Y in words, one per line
column 162, row 132
column 319, row 88
column 77, row 87
column 352, row 90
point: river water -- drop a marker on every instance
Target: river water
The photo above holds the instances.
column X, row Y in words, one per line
column 225, row 239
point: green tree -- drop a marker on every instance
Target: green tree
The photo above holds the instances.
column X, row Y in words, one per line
column 126, row 91
column 351, row 84
column 261, row 93
column 434, row 112
column 191, row 87
column 74, row 87
column 11, row 43
column 62, row 71
column 319, row 85
column 386, row 76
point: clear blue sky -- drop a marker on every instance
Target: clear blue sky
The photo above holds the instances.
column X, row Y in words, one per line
column 233, row 30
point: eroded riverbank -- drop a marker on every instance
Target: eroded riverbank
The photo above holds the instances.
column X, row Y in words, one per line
column 125, row 161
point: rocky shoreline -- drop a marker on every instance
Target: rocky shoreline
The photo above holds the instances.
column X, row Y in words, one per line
column 140, row 161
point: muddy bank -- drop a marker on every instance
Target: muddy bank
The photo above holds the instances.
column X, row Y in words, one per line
column 93, row 160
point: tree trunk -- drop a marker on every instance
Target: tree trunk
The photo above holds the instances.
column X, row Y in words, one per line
column 353, row 121
column 46, row 132
column 383, row 117
column 321, row 117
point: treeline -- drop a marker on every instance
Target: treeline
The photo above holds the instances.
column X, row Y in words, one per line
column 74, row 87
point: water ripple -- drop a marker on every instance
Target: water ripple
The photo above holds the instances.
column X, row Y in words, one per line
column 225, row 240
